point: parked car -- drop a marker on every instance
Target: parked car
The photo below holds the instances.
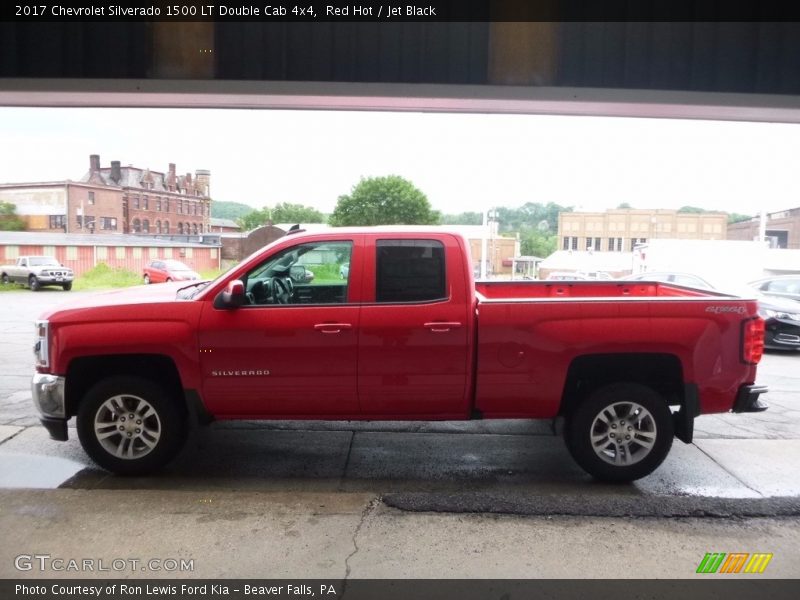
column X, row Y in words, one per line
column 159, row 271
column 36, row 272
column 784, row 286
column 781, row 322
column 567, row 276
column 685, row 279
column 596, row 275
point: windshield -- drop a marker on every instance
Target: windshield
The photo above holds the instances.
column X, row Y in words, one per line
column 42, row 261
column 174, row 265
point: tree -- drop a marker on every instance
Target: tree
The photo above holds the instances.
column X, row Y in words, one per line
column 738, row 218
column 464, row 218
column 624, row 206
column 9, row 221
column 229, row 210
column 389, row 200
column 283, row 212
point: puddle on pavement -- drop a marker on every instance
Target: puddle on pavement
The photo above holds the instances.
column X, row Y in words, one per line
column 32, row 471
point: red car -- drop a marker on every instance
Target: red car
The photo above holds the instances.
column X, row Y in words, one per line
column 159, row 271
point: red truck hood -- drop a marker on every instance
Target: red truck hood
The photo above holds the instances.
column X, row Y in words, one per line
column 143, row 294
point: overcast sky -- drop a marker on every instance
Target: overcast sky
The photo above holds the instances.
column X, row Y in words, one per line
column 461, row 162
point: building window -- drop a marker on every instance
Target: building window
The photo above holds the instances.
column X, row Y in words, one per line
column 146, row 226
column 12, row 252
column 213, row 253
column 593, row 243
column 167, row 252
column 91, row 197
column 145, row 203
column 179, row 208
column 158, row 226
column 108, row 223
column 187, row 252
column 158, row 204
column 137, row 252
column 137, row 226
column 72, row 253
column 166, row 227
column 135, row 200
column 180, row 228
column 636, row 241
column 102, row 253
column 58, row 221
column 153, row 252
column 120, row 252
column 194, row 228
column 615, row 244
column 166, row 204
column 570, row 243
column 187, row 229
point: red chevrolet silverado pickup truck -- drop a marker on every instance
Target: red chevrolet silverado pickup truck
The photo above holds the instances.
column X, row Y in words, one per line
column 406, row 334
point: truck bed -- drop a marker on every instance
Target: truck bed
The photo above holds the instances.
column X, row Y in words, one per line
column 529, row 333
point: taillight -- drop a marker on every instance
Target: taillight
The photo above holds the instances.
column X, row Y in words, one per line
column 41, row 347
column 753, row 340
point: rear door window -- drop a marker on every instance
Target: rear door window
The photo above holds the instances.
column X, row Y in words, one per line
column 410, row 271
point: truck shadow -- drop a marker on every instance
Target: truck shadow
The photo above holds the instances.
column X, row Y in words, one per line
column 253, row 458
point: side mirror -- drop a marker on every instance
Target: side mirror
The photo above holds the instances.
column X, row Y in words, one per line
column 232, row 296
column 299, row 274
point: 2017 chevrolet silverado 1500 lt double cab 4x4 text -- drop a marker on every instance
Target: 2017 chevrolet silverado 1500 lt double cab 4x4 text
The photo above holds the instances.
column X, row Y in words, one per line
column 405, row 334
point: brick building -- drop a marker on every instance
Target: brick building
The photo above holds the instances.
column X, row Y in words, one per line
column 116, row 199
column 782, row 229
column 619, row 230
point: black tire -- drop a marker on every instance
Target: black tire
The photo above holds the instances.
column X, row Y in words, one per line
column 6, row 280
column 632, row 427
column 146, row 451
column 67, row 286
column 34, row 283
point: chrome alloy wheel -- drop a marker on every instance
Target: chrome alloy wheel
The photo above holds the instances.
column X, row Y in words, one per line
column 127, row 426
column 623, row 433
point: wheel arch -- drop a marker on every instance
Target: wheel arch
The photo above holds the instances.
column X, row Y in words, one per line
column 85, row 372
column 663, row 372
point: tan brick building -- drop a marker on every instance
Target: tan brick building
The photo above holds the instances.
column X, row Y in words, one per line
column 619, row 230
column 116, row 199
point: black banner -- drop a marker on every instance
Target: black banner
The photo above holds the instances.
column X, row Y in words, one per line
column 386, row 11
column 709, row 587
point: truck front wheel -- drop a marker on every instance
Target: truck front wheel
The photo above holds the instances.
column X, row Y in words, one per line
column 130, row 425
column 621, row 432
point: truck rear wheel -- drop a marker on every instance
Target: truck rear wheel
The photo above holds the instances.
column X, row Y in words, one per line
column 130, row 425
column 621, row 432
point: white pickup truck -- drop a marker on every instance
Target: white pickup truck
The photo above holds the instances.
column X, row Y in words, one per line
column 37, row 271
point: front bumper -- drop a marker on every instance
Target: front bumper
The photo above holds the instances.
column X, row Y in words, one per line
column 48, row 397
column 747, row 399
column 54, row 279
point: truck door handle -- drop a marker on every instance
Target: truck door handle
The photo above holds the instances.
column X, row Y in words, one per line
column 332, row 327
column 442, row 326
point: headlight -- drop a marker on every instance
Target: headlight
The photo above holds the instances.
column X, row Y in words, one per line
column 41, row 349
